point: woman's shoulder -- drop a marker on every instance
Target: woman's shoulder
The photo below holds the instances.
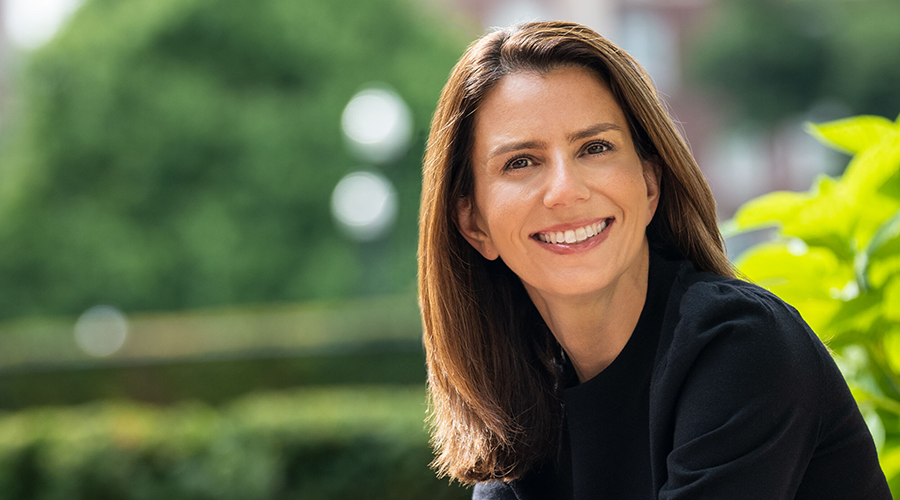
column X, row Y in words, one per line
column 714, row 324
column 704, row 305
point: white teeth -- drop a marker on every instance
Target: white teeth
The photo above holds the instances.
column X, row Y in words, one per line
column 573, row 235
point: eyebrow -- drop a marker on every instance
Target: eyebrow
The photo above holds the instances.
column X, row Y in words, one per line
column 593, row 130
column 575, row 136
column 516, row 146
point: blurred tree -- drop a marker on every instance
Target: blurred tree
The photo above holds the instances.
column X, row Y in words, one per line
column 182, row 153
column 778, row 58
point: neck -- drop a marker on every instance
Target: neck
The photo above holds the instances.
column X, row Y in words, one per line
column 594, row 329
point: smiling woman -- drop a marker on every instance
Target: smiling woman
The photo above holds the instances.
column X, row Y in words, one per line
column 585, row 335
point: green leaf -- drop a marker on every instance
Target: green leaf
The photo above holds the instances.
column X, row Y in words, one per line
column 881, row 257
column 888, row 232
column 812, row 279
column 769, row 209
column 883, row 269
column 890, row 462
column 852, row 135
column 853, row 320
column 868, row 215
column 823, row 216
column 892, row 348
column 871, row 169
column 863, row 396
column 891, row 305
column 827, row 220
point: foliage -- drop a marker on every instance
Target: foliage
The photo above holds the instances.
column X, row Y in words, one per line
column 181, row 153
column 780, row 57
column 836, row 258
column 318, row 444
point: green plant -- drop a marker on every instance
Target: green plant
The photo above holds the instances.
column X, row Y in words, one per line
column 836, row 258
column 313, row 444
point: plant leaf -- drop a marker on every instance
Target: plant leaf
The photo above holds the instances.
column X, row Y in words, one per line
column 769, row 210
column 881, row 257
column 872, row 168
column 890, row 461
column 854, row 319
column 887, row 232
column 812, row 279
column 891, row 305
column 852, row 135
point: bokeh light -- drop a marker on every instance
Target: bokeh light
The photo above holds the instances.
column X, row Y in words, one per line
column 364, row 205
column 377, row 125
column 31, row 23
column 101, row 330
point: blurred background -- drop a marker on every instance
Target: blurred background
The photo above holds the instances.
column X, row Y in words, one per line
column 208, row 217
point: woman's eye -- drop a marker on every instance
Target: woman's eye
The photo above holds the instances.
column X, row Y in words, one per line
column 518, row 163
column 597, row 148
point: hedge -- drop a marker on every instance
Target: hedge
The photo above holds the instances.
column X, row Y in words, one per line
column 323, row 443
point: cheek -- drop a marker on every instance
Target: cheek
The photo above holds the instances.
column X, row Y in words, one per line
column 501, row 203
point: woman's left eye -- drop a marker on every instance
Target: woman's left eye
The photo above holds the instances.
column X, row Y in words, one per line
column 597, row 148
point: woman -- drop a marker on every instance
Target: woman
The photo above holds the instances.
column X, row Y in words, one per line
column 585, row 335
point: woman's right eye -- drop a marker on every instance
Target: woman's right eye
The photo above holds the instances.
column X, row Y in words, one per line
column 517, row 163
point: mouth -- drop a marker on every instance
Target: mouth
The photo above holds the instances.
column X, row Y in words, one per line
column 574, row 236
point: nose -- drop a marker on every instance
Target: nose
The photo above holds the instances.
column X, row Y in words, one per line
column 564, row 184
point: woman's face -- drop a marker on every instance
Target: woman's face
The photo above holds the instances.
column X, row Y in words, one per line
column 560, row 193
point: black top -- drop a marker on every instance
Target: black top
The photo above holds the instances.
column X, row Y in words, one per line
column 722, row 392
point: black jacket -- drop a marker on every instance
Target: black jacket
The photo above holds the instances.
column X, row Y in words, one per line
column 743, row 401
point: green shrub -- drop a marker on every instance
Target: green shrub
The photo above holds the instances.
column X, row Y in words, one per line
column 324, row 443
column 836, row 258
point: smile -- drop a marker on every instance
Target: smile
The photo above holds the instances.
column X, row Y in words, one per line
column 573, row 236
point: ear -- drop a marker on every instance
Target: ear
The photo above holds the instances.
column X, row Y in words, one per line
column 651, row 179
column 474, row 230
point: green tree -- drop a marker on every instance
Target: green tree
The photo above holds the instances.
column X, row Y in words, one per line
column 777, row 58
column 182, row 153
column 836, row 258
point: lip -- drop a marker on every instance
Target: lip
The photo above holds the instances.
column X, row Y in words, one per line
column 572, row 248
column 572, row 225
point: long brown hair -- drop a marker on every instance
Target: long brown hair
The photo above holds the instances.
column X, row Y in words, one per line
column 492, row 370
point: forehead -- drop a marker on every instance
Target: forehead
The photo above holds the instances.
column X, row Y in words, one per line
column 560, row 101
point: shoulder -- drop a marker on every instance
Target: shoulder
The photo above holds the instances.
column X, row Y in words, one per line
column 735, row 340
column 744, row 396
column 707, row 309
column 707, row 301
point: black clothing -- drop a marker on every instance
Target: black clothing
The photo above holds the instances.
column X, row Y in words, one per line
column 722, row 392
